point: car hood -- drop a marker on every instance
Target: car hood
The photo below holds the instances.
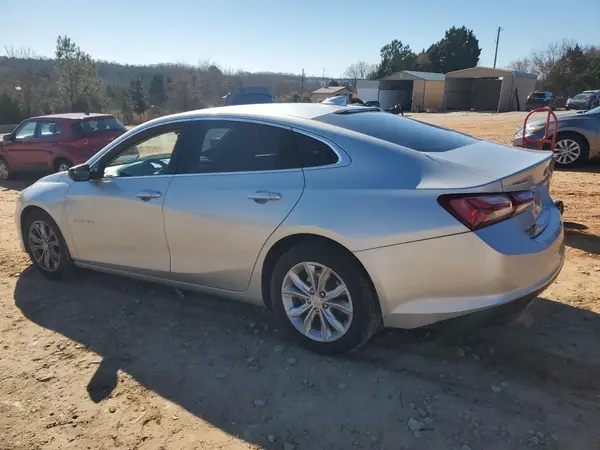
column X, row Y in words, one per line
column 560, row 118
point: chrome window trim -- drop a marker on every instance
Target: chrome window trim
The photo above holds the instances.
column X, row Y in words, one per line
column 343, row 157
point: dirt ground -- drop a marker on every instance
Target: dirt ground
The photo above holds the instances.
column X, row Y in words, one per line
column 105, row 362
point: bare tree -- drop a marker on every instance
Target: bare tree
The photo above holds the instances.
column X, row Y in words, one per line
column 358, row 71
column 522, row 65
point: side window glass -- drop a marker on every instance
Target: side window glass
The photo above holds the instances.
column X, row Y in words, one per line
column 151, row 156
column 314, row 153
column 49, row 129
column 229, row 146
column 27, row 131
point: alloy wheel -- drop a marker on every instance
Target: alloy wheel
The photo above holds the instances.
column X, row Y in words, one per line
column 567, row 151
column 63, row 167
column 317, row 302
column 44, row 246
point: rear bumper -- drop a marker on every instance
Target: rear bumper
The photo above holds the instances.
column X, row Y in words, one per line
column 429, row 281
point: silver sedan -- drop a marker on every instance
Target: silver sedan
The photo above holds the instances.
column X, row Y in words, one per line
column 339, row 219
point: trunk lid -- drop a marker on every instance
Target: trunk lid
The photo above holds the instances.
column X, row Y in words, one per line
column 517, row 170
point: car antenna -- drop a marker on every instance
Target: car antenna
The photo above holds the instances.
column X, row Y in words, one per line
column 87, row 113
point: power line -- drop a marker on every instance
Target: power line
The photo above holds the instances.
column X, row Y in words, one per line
column 497, row 42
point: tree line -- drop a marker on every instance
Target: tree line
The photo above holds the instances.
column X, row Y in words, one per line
column 74, row 81
column 458, row 49
column 564, row 68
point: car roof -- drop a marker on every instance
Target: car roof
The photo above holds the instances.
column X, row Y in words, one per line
column 263, row 110
column 72, row 116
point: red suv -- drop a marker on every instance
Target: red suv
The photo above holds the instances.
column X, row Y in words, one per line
column 56, row 142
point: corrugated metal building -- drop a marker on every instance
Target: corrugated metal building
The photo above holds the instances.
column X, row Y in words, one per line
column 416, row 91
column 486, row 89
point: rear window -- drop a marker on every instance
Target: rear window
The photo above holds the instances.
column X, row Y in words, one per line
column 98, row 125
column 401, row 131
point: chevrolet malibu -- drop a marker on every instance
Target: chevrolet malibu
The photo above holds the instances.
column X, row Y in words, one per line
column 340, row 219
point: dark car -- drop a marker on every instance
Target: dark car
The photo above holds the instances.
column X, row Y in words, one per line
column 56, row 142
column 586, row 100
column 374, row 103
column 249, row 96
column 577, row 141
column 540, row 100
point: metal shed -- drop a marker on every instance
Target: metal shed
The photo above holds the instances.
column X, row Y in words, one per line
column 416, row 91
column 486, row 89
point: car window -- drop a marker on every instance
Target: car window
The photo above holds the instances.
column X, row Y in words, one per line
column 401, row 131
column 151, row 156
column 96, row 125
column 26, row 131
column 231, row 146
column 312, row 152
column 49, row 129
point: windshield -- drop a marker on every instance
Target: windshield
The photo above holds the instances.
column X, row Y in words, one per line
column 398, row 130
column 596, row 110
column 538, row 95
column 581, row 97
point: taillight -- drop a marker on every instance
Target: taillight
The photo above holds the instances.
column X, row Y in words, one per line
column 477, row 211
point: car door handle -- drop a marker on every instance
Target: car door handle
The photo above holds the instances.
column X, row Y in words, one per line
column 264, row 196
column 147, row 195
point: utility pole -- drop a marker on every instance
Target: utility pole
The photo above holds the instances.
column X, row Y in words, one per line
column 497, row 42
column 302, row 83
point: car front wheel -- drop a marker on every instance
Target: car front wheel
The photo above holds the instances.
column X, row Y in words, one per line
column 4, row 170
column 46, row 246
column 570, row 150
column 323, row 298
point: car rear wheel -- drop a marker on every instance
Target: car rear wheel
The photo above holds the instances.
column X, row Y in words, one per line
column 62, row 165
column 4, row 170
column 323, row 298
column 46, row 246
column 570, row 150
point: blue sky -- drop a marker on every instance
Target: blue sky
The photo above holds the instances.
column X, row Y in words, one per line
column 286, row 36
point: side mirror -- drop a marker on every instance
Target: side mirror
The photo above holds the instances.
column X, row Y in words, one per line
column 80, row 173
column 8, row 137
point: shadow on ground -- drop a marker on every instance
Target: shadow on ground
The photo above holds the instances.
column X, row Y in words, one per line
column 16, row 184
column 577, row 236
column 193, row 350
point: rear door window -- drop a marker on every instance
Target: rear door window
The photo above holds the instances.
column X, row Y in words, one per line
column 49, row 129
column 94, row 126
column 232, row 146
column 398, row 130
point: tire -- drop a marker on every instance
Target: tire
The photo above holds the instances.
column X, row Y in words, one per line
column 62, row 165
column 5, row 172
column 64, row 267
column 576, row 143
column 365, row 318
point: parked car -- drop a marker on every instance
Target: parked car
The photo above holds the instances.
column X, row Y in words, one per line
column 249, row 96
column 586, row 100
column 540, row 100
column 577, row 141
column 338, row 219
column 56, row 142
column 373, row 103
